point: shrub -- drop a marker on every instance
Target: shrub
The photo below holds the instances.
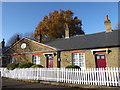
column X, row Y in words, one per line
column 73, row 66
column 12, row 66
column 25, row 64
column 36, row 66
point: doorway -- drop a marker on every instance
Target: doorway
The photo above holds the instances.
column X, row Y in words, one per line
column 100, row 61
column 49, row 61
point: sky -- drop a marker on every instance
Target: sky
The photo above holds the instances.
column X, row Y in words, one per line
column 22, row 17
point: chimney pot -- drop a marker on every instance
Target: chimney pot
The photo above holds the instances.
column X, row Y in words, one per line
column 106, row 17
column 66, row 31
column 40, row 37
column 3, row 43
column 17, row 38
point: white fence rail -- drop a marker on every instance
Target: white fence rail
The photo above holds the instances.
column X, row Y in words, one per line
column 90, row 76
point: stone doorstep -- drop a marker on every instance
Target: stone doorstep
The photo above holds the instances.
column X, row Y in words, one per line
column 68, row 84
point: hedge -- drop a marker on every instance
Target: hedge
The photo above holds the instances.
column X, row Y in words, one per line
column 72, row 66
column 25, row 64
column 12, row 66
column 36, row 66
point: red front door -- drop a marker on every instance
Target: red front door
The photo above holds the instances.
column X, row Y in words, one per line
column 100, row 61
column 50, row 61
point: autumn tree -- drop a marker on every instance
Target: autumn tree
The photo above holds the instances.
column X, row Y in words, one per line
column 53, row 25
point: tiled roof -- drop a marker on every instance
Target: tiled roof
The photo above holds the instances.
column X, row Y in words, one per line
column 88, row 41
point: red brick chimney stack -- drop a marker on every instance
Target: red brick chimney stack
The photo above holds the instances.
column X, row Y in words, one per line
column 106, row 17
column 66, row 31
column 107, row 23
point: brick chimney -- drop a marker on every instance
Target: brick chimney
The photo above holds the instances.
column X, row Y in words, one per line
column 107, row 23
column 40, row 35
column 66, row 31
column 3, row 43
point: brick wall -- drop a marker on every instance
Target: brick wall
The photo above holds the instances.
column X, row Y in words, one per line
column 24, row 54
column 66, row 58
column 89, row 59
column 113, row 57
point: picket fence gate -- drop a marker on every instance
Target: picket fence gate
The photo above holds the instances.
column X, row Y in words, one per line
column 88, row 76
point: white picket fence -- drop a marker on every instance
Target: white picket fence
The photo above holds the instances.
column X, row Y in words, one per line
column 89, row 76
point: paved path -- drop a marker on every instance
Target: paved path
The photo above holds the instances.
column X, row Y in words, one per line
column 16, row 85
column 10, row 84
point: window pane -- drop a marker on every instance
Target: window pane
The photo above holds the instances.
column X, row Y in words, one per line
column 36, row 59
column 81, row 60
column 78, row 59
column 98, row 57
column 102, row 57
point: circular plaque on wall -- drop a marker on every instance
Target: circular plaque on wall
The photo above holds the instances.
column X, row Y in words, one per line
column 23, row 45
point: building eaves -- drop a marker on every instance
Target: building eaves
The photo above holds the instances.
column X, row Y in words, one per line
column 96, row 40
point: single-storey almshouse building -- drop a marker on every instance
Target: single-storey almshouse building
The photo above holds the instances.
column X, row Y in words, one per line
column 87, row 51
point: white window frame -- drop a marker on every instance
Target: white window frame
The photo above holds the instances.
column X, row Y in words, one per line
column 76, row 60
column 36, row 59
column 11, row 60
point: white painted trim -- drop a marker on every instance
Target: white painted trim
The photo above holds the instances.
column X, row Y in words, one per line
column 100, row 50
column 47, row 53
column 42, row 44
column 36, row 60
column 84, row 61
